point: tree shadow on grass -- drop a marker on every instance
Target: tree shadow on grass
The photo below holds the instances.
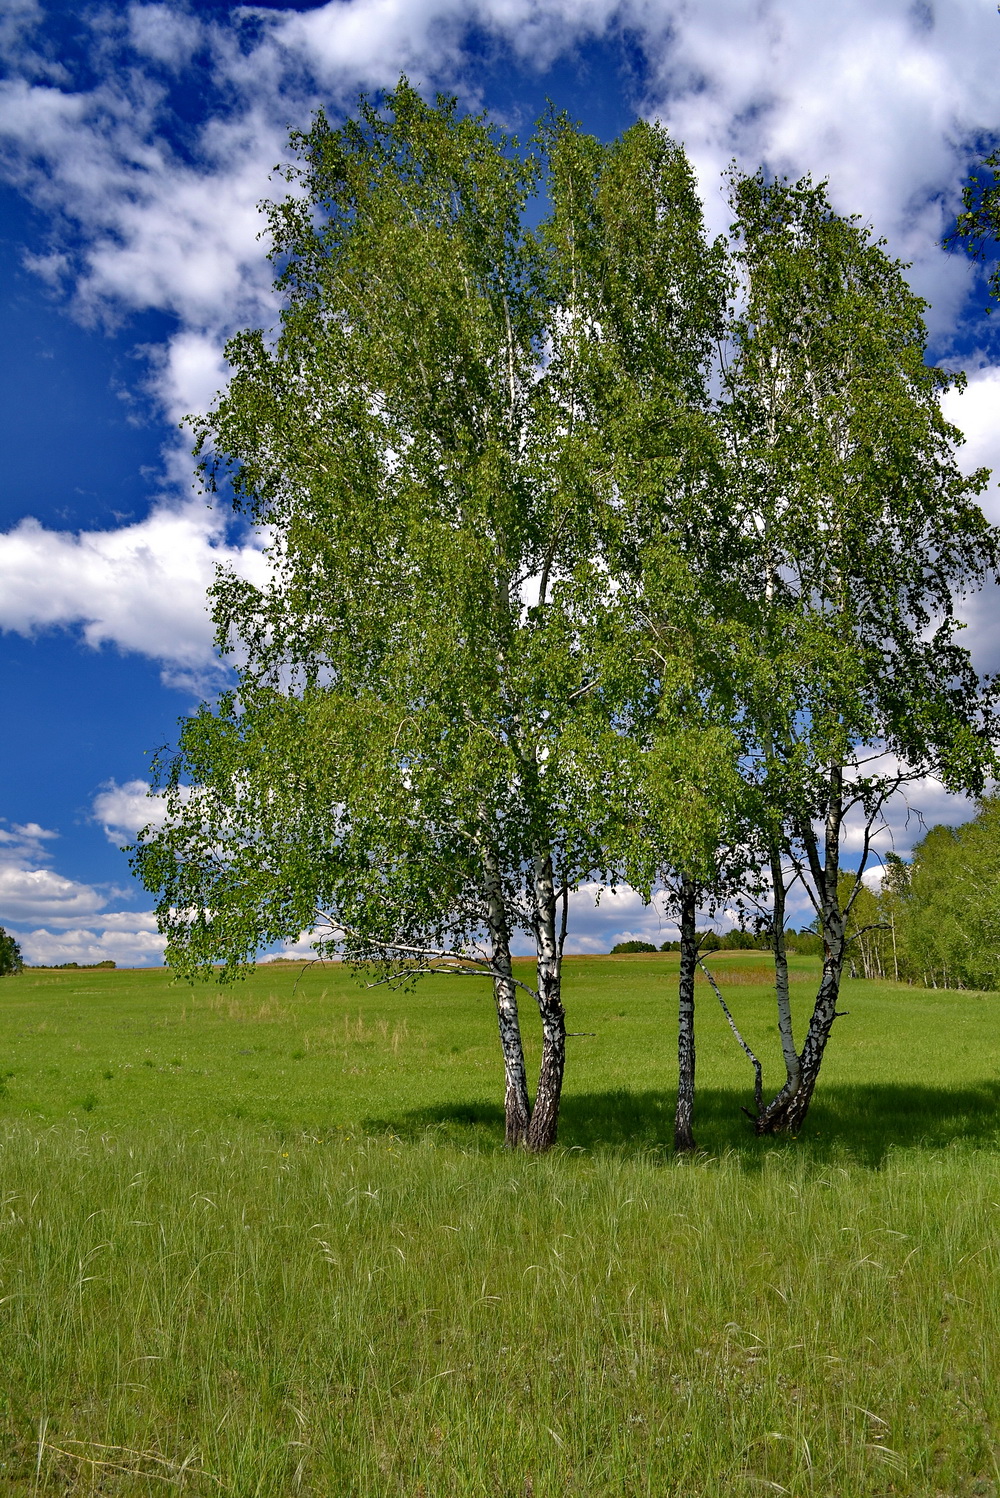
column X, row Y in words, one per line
column 863, row 1121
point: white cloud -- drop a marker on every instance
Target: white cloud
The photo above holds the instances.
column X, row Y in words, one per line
column 906, row 817
column 41, row 894
column 188, row 372
column 130, row 922
column 136, row 947
column 298, row 950
column 20, row 839
column 141, row 587
column 883, row 98
column 976, row 413
column 599, row 919
column 18, row 19
column 164, row 33
column 155, row 230
column 368, row 43
column 57, row 919
column 124, row 810
column 878, row 95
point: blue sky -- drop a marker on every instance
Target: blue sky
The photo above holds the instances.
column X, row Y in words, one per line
column 135, row 143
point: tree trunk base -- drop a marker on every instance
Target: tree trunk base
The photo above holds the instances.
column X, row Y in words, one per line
column 786, row 1116
column 538, row 1139
column 516, row 1128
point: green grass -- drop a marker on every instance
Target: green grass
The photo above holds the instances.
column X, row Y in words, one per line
column 257, row 1242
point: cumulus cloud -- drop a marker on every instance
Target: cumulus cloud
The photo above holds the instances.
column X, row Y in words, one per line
column 976, row 412
column 59, row 919
column 600, row 919
column 124, row 810
column 884, row 98
column 151, row 230
column 368, row 43
column 135, row 947
column 879, row 96
column 140, row 587
column 299, row 950
column 42, row 894
column 20, row 840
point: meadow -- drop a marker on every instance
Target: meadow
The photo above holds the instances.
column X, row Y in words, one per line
column 263, row 1240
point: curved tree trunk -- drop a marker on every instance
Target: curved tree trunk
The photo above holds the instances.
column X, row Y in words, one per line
column 683, row 1135
column 787, row 1113
column 793, row 1065
column 544, row 1123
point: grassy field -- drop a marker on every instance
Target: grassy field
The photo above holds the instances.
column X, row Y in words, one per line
column 263, row 1242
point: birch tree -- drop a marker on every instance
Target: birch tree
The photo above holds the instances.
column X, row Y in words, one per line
column 867, row 534
column 443, row 445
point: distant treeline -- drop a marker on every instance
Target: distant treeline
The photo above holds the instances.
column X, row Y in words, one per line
column 12, row 960
column 88, row 966
column 804, row 942
column 936, row 920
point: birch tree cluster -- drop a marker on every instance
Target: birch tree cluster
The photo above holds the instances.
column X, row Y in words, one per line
column 601, row 553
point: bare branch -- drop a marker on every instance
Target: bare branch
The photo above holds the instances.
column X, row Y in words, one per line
column 479, row 967
column 863, row 931
column 452, row 972
column 758, row 1090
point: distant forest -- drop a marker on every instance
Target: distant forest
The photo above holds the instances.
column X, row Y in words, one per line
column 937, row 919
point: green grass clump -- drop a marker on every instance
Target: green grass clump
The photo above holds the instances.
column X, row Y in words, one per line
column 265, row 1242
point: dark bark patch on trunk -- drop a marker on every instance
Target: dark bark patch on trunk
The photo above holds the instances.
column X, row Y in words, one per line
column 683, row 1120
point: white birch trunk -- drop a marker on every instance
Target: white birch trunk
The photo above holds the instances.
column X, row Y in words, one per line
column 545, row 1115
column 517, row 1108
column 789, row 1115
column 683, row 1133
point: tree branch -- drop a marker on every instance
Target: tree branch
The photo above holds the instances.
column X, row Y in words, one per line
column 481, row 967
column 758, row 1090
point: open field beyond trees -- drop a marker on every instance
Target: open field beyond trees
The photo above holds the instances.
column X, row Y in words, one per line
column 258, row 1241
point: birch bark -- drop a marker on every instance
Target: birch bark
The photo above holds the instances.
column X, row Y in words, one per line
column 545, row 1114
column 788, row 1111
column 517, row 1108
column 793, row 1065
column 683, row 1134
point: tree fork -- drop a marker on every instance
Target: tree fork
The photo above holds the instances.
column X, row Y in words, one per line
column 788, row 1112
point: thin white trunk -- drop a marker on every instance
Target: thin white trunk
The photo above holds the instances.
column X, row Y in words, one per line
column 683, row 1119
column 788, row 1111
column 517, row 1108
column 545, row 1115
